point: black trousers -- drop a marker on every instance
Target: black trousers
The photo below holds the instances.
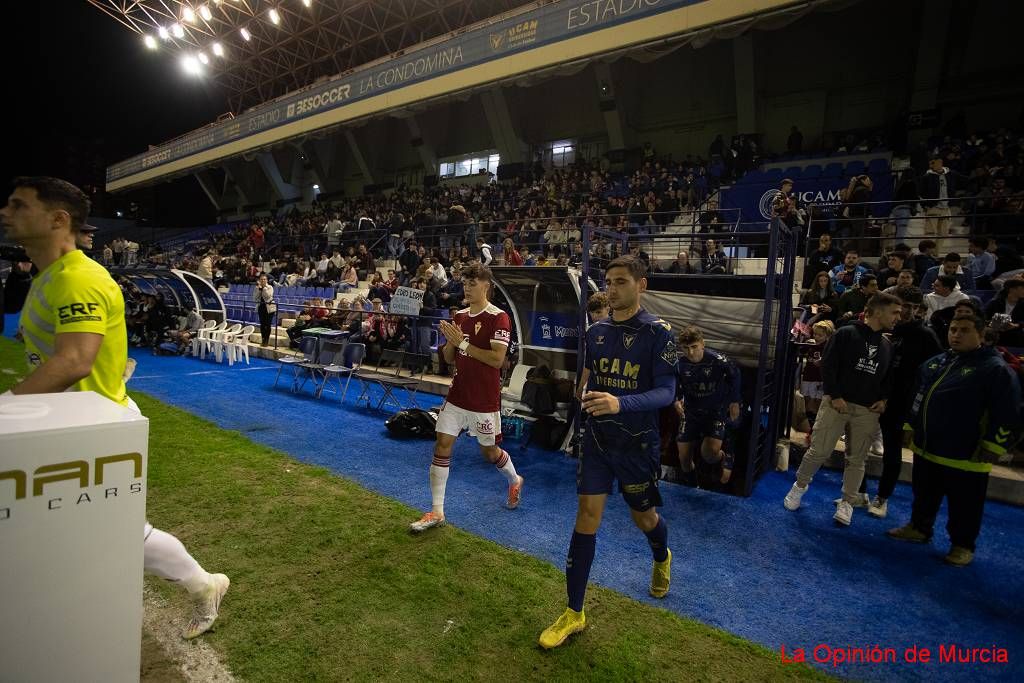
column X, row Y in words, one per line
column 965, row 492
column 891, row 423
column 266, row 321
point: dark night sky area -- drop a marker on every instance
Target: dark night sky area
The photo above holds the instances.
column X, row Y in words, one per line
column 83, row 92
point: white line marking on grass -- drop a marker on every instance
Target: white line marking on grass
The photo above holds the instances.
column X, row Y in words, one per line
column 197, row 660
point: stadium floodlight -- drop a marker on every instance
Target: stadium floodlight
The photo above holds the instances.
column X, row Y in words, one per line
column 150, row 41
column 188, row 14
column 203, row 58
column 307, row 3
column 162, row 32
column 275, row 18
column 191, row 65
column 178, row 31
column 245, row 34
column 218, row 49
column 205, row 13
column 316, row 187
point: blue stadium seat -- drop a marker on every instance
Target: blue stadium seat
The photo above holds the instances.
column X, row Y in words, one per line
column 855, row 167
column 878, row 166
column 833, row 170
column 773, row 175
column 812, row 172
column 754, row 176
column 793, row 172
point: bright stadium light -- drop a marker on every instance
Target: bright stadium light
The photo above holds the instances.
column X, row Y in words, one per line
column 191, row 65
column 245, row 34
column 178, row 31
column 162, row 32
column 203, row 58
column 205, row 13
column 316, row 187
column 188, row 14
column 150, row 41
column 218, row 49
column 275, row 18
column 307, row 3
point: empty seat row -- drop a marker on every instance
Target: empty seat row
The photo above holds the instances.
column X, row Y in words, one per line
column 815, row 171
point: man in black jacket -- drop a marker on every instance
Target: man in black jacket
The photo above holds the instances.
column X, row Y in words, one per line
column 824, row 258
column 410, row 261
column 912, row 344
column 857, row 371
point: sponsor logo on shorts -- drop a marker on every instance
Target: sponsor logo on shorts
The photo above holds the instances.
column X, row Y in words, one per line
column 485, row 427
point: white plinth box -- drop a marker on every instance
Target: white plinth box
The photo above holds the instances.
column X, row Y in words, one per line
column 72, row 511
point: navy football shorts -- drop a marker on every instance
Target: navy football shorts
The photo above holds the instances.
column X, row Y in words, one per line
column 635, row 465
column 694, row 426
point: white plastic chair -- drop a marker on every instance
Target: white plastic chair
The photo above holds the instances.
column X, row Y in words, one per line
column 238, row 345
column 218, row 340
column 203, row 336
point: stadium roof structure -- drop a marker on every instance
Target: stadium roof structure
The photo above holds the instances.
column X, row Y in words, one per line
column 311, row 39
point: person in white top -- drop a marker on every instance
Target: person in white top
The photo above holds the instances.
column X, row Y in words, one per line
column 485, row 251
column 946, row 292
column 263, row 295
column 437, row 272
column 205, row 269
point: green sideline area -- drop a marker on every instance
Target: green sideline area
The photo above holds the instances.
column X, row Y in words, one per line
column 327, row 583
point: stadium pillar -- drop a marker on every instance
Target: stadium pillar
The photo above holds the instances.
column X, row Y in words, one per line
column 273, row 173
column 609, row 107
column 510, row 147
column 425, row 150
column 746, row 83
column 206, row 182
column 235, row 174
column 318, row 159
column 357, row 154
column 932, row 46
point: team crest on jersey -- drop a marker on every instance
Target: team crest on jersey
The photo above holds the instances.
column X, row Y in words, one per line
column 669, row 354
column 628, row 339
column 599, row 340
column 872, row 350
column 476, row 328
column 707, row 372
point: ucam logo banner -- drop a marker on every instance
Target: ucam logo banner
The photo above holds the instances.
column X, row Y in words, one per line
column 754, row 200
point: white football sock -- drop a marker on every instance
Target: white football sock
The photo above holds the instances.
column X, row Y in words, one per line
column 166, row 557
column 506, row 467
column 438, row 482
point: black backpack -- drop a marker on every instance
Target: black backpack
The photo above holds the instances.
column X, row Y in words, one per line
column 539, row 391
column 412, row 422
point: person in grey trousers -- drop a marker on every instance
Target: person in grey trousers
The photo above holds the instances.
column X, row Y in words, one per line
column 857, row 372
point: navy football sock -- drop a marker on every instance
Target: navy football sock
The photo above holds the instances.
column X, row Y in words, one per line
column 657, row 538
column 577, row 567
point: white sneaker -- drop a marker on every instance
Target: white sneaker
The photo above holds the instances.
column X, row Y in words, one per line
column 792, row 501
column 844, row 513
column 863, row 501
column 876, row 448
column 206, row 605
column 879, row 507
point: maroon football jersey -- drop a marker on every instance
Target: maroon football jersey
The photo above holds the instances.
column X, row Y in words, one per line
column 477, row 386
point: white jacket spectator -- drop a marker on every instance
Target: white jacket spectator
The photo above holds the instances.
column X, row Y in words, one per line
column 555, row 235
column 205, row 269
column 947, row 293
column 485, row 252
column 437, row 272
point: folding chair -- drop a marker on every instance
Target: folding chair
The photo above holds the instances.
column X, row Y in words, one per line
column 351, row 359
column 389, row 381
column 308, row 346
column 330, row 351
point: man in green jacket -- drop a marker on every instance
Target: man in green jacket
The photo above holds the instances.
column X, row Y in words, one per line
column 964, row 418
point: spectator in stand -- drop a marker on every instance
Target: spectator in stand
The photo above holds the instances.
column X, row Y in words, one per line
column 682, row 265
column 420, row 331
column 349, row 277
column 1005, row 313
column 904, row 204
column 485, row 251
column 378, row 290
column 820, row 300
column 795, row 141
column 711, row 220
column 554, row 236
column 982, row 264
column 108, row 256
column 715, row 262
column 510, row 254
column 950, row 266
column 937, row 187
column 452, row 292
column 855, row 299
column 437, row 274
column 598, row 308
column 409, row 261
column 849, row 273
column 856, row 212
column 894, row 264
column 784, row 205
column 811, row 379
column 205, row 269
column 926, row 257
column 334, row 230
column 824, row 259
column 964, row 417
column 392, row 282
column 364, row 261
column 322, row 264
column 904, row 279
column 263, row 294
column 945, row 293
column 394, row 333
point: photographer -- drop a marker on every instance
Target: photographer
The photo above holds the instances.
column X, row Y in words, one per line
column 263, row 294
column 1006, row 315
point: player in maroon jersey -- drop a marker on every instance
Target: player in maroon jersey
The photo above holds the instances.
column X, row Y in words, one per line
column 477, row 340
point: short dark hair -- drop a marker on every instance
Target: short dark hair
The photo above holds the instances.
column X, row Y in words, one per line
column 924, row 245
column 951, row 256
column 477, row 271
column 690, row 334
column 637, row 269
column 596, row 302
column 910, row 295
column 933, row 157
column 980, row 242
column 866, row 279
column 976, row 320
column 880, row 300
column 786, row 181
column 1013, row 283
column 898, row 254
column 948, row 281
column 909, row 270
column 851, row 250
column 58, row 194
